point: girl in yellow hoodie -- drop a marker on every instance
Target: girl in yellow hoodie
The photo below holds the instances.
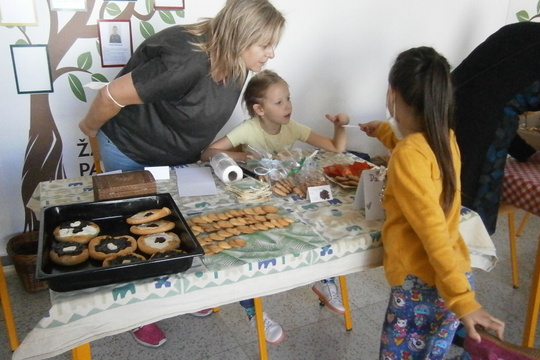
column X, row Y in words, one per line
column 426, row 261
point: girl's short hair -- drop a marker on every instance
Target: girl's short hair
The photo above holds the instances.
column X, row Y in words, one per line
column 239, row 25
column 256, row 89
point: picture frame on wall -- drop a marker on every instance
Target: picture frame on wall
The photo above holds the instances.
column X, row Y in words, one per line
column 74, row 5
column 18, row 13
column 169, row 4
column 115, row 42
column 32, row 69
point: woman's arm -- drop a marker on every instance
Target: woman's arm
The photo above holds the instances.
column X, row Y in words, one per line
column 223, row 145
column 339, row 142
column 104, row 107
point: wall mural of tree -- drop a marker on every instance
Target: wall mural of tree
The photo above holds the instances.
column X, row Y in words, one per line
column 43, row 156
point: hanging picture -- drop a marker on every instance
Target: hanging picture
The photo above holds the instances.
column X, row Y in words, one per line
column 75, row 5
column 32, row 68
column 18, row 13
column 169, row 4
column 115, row 42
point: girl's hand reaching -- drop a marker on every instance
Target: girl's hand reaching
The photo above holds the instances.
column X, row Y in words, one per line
column 339, row 119
column 370, row 128
column 484, row 319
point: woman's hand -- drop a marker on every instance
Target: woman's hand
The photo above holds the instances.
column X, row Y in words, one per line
column 370, row 128
column 339, row 119
column 484, row 319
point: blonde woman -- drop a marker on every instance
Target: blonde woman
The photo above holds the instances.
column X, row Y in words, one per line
column 180, row 87
column 177, row 91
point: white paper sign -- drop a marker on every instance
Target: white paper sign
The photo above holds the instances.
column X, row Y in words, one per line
column 319, row 193
column 369, row 191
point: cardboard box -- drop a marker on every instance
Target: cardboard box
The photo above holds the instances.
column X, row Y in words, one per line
column 526, row 123
column 126, row 184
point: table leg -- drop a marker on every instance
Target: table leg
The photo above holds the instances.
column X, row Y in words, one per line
column 8, row 314
column 263, row 353
column 534, row 304
column 81, row 352
column 523, row 223
column 513, row 250
column 345, row 301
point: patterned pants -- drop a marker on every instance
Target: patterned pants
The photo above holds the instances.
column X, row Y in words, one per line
column 417, row 324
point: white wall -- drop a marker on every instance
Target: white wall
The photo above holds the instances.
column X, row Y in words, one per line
column 335, row 55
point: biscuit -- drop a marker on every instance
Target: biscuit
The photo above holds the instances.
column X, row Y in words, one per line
column 270, row 209
column 224, row 245
column 224, row 233
column 225, row 224
column 260, row 226
column 237, row 242
column 215, row 249
column 216, row 237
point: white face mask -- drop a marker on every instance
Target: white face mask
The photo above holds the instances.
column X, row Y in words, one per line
column 393, row 123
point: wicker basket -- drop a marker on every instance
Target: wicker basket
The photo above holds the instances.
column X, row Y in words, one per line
column 22, row 249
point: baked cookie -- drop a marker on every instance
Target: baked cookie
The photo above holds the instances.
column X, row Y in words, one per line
column 104, row 246
column 153, row 243
column 80, row 231
column 68, row 253
column 122, row 259
column 148, row 215
column 152, row 227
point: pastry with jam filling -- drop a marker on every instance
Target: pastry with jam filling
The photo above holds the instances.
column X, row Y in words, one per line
column 68, row 253
column 80, row 231
column 104, row 246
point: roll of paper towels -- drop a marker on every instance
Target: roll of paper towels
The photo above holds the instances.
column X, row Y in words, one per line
column 225, row 168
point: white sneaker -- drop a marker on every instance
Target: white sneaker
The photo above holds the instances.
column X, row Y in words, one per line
column 273, row 331
column 328, row 294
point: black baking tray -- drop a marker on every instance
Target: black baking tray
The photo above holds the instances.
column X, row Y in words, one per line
column 110, row 215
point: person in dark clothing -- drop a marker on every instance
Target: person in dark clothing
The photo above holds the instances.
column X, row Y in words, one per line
column 496, row 83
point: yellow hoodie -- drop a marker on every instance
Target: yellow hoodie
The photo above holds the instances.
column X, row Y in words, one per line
column 418, row 238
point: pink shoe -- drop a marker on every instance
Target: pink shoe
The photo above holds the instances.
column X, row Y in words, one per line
column 149, row 335
column 203, row 313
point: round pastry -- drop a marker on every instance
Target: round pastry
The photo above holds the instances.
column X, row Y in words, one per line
column 68, row 253
column 80, row 231
column 153, row 243
column 104, row 246
column 167, row 254
column 148, row 215
column 122, row 259
column 152, row 227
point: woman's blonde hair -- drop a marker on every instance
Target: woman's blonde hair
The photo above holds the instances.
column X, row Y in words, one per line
column 257, row 87
column 239, row 25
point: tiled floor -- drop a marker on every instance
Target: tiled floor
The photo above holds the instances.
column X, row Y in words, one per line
column 312, row 332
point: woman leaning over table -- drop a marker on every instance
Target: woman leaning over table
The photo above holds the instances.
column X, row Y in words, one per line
column 181, row 86
column 176, row 93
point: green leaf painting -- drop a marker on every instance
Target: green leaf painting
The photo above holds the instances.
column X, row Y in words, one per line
column 99, row 77
column 84, row 61
column 167, row 17
column 113, row 9
column 147, row 29
column 76, row 87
